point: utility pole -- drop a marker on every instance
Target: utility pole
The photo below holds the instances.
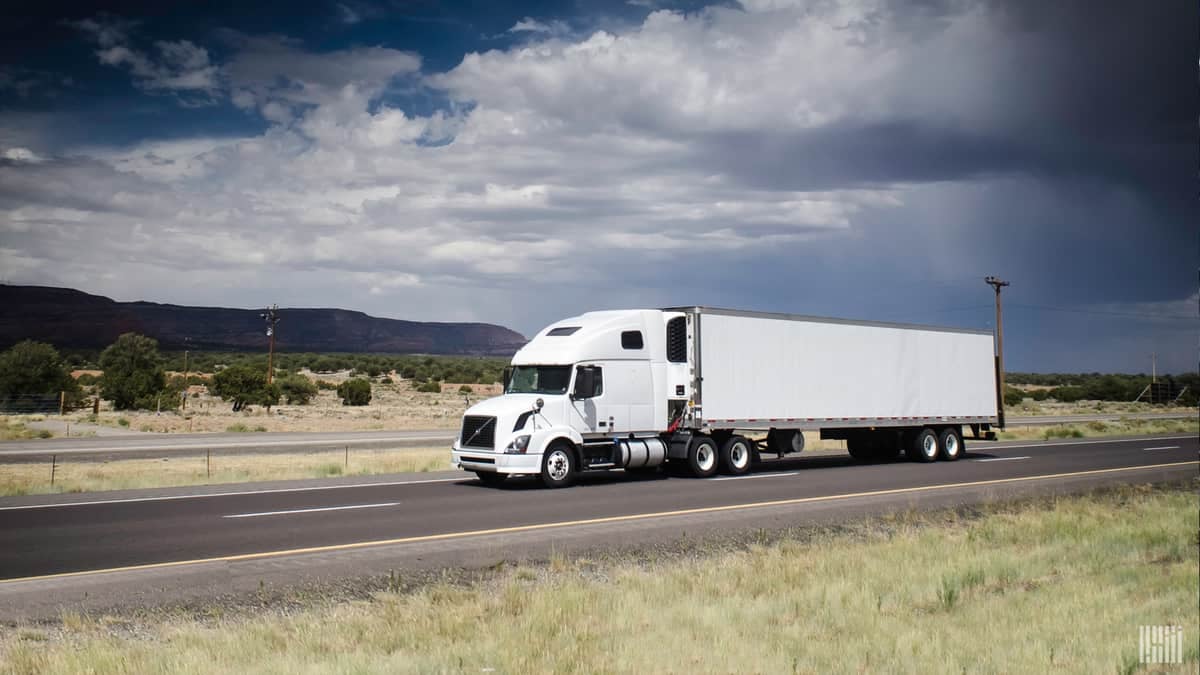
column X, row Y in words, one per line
column 1153, row 368
column 997, row 283
column 186, row 343
column 272, row 317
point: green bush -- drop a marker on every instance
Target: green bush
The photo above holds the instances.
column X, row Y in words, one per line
column 355, row 392
column 430, row 388
column 31, row 368
column 133, row 374
column 326, row 385
column 297, row 389
column 245, row 385
column 1013, row 396
column 466, row 389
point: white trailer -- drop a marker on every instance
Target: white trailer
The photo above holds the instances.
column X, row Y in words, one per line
column 694, row 386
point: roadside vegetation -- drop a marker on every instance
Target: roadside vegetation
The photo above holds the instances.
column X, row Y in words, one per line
column 75, row 475
column 1049, row 585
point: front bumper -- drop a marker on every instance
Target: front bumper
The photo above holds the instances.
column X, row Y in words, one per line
column 470, row 459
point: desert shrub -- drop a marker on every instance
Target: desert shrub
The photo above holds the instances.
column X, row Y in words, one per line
column 1068, row 394
column 1013, row 396
column 326, row 385
column 31, row 368
column 133, row 374
column 1039, row 394
column 430, row 388
column 245, row 385
column 466, row 389
column 355, row 392
column 386, row 380
column 297, row 389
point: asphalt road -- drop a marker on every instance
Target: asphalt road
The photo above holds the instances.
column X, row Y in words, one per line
column 175, row 445
column 40, row 538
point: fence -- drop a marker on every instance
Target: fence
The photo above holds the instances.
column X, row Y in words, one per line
column 46, row 404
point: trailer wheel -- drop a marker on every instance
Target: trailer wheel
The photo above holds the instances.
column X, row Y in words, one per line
column 924, row 446
column 736, row 455
column 491, row 478
column 702, row 457
column 950, row 444
column 558, row 465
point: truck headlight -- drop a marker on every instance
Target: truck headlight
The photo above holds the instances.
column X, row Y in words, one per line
column 517, row 445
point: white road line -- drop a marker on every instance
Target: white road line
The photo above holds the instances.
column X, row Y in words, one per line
column 1086, row 442
column 999, row 459
column 234, row 494
column 761, row 475
column 326, row 508
column 1164, row 447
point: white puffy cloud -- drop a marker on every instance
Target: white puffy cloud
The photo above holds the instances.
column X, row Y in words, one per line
column 692, row 157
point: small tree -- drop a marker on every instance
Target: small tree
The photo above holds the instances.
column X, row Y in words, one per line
column 35, row 369
column 297, row 389
column 245, row 385
column 355, row 392
column 133, row 373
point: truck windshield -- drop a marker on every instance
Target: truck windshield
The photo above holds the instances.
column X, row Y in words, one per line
column 539, row 380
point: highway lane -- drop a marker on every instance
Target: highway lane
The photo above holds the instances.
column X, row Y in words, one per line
column 47, row 540
column 175, row 445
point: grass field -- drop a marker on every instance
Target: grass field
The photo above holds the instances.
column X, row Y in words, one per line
column 90, row 476
column 1057, row 585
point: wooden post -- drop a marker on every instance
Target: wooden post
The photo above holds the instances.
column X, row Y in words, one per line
column 53, row 467
column 347, row 463
column 208, row 462
column 62, row 402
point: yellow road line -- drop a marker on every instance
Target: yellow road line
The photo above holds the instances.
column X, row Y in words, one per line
column 589, row 521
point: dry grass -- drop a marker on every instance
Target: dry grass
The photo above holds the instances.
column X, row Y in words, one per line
column 90, row 476
column 14, row 428
column 396, row 406
column 1059, row 586
column 1121, row 427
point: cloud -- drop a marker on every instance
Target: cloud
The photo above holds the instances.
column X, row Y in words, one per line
column 179, row 67
column 846, row 158
column 531, row 25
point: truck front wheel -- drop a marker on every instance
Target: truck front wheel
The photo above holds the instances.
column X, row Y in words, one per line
column 558, row 465
column 702, row 457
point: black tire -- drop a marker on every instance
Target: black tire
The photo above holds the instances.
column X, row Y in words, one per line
column 923, row 446
column 491, row 478
column 558, row 465
column 950, row 444
column 737, row 455
column 702, row 457
column 860, row 450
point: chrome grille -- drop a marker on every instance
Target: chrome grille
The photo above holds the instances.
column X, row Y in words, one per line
column 479, row 431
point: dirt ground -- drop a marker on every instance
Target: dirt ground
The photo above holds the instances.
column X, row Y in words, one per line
column 396, row 406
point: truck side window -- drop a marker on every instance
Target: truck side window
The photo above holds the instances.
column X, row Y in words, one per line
column 677, row 340
column 599, row 386
column 632, row 339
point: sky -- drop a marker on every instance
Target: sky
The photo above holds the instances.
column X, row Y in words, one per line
column 521, row 162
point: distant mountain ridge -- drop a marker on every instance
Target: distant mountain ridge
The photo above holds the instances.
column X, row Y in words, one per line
column 69, row 318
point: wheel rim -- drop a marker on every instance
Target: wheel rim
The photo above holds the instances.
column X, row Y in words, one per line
column 559, row 465
column 951, row 445
column 739, row 455
column 705, row 457
column 797, row 442
column 929, row 445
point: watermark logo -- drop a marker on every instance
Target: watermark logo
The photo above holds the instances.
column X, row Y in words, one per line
column 1160, row 644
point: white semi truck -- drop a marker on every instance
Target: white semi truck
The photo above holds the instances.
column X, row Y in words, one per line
column 694, row 386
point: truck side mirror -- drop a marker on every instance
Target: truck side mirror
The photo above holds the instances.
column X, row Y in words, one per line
column 585, row 382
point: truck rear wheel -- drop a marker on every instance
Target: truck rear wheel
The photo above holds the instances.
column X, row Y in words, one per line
column 736, row 455
column 702, row 457
column 924, row 446
column 950, row 444
column 558, row 465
